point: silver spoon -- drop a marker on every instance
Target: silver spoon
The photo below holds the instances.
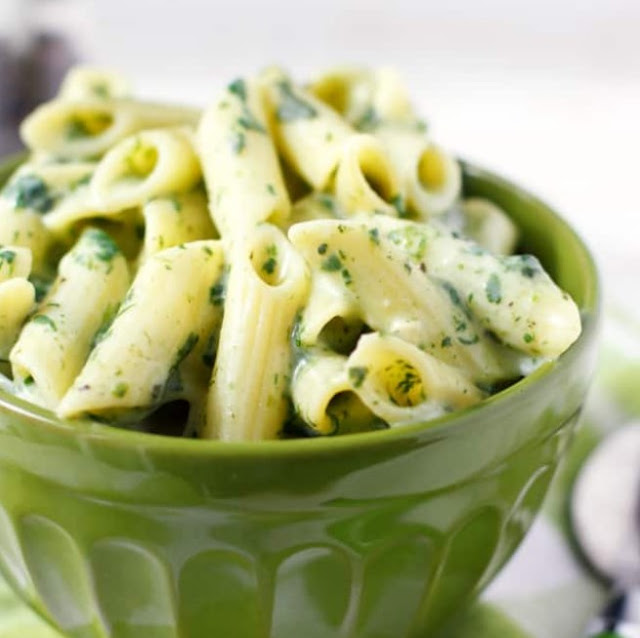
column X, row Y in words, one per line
column 605, row 511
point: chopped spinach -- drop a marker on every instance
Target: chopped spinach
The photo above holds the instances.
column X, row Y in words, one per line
column 30, row 191
column 493, row 289
column 45, row 320
column 357, row 375
column 332, row 263
column 292, row 107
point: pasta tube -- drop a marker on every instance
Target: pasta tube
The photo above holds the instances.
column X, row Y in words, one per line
column 489, row 226
column 240, row 165
column 268, row 284
column 162, row 324
column 53, row 346
column 402, row 384
column 89, row 128
column 511, row 297
column 431, row 178
column 366, row 181
column 87, row 83
column 17, row 297
column 15, row 261
column 170, row 221
column 323, row 396
column 365, row 98
column 23, row 227
column 149, row 164
column 308, row 133
column 316, row 382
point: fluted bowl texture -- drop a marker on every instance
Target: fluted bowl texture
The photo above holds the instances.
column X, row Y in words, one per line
column 110, row 533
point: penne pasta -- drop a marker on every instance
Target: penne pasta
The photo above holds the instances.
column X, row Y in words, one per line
column 431, row 178
column 402, row 384
column 365, row 180
column 93, row 83
column 241, row 168
column 89, row 128
column 309, row 134
column 53, row 346
column 489, row 226
column 267, row 286
column 152, row 351
column 149, row 164
column 170, row 221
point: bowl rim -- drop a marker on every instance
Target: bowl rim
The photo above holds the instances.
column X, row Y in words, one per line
column 447, row 425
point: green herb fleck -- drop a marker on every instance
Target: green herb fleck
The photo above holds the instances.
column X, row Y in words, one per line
column 270, row 265
column 357, row 375
column 452, row 292
column 322, row 248
column 107, row 319
column 469, row 341
column 238, row 87
column 446, row 342
column 493, row 289
column 408, row 381
column 374, row 236
column 41, row 286
column 332, row 263
column 271, row 189
column 397, row 201
column 528, row 337
column 209, row 354
column 106, row 248
column 346, row 277
column 28, row 380
column 216, row 294
column 120, row 390
column 326, row 201
column 82, row 181
column 237, row 142
column 410, row 239
column 100, row 90
column 249, row 122
column 7, row 257
column 76, row 129
column 185, row 349
column 292, row 107
column 45, row 320
column 30, row 191
column 369, row 120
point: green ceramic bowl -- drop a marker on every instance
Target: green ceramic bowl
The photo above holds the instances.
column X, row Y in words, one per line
column 110, row 533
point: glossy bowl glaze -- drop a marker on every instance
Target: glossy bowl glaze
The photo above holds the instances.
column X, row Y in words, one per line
column 109, row 533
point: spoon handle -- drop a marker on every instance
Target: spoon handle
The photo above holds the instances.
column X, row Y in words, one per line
column 620, row 619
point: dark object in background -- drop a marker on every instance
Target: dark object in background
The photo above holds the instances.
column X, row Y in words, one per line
column 9, row 98
column 30, row 72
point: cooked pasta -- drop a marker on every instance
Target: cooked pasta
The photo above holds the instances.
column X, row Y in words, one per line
column 290, row 261
column 240, row 164
column 54, row 344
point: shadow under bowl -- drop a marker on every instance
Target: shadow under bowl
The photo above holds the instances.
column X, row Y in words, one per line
column 111, row 533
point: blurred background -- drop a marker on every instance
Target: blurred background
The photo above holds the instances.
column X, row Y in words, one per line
column 547, row 93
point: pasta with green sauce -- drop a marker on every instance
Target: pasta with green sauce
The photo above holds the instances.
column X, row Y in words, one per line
column 293, row 260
